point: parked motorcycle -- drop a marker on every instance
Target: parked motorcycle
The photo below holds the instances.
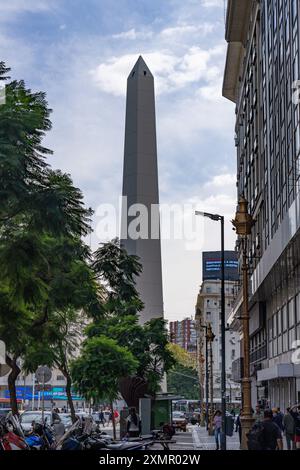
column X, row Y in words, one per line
column 82, row 436
column 11, row 434
column 40, row 438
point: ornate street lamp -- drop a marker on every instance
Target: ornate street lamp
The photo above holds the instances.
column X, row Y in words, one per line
column 210, row 336
column 243, row 224
column 220, row 218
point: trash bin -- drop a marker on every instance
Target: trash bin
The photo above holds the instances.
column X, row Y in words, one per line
column 229, row 425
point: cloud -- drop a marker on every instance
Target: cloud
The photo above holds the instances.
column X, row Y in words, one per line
column 84, row 72
column 132, row 34
column 172, row 72
column 213, row 3
column 12, row 8
column 204, row 28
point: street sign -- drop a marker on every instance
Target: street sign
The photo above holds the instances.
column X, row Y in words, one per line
column 45, row 388
column 43, row 374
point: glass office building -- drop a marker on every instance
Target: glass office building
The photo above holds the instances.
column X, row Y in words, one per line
column 262, row 78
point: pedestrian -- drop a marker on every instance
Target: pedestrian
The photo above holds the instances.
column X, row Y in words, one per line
column 278, row 418
column 217, row 421
column 134, row 424
column 295, row 412
column 238, row 425
column 265, row 435
column 102, row 419
column 58, row 428
column 258, row 414
column 289, row 429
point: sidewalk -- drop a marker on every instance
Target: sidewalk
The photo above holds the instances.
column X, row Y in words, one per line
column 202, row 441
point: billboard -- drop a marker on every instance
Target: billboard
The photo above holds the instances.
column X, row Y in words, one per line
column 56, row 393
column 211, row 265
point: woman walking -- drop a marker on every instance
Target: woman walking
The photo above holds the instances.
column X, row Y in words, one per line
column 218, row 427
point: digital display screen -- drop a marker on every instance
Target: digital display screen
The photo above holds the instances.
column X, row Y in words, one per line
column 212, row 265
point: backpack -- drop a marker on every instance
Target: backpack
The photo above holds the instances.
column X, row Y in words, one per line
column 256, row 437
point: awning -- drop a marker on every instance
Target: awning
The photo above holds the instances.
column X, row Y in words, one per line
column 280, row 371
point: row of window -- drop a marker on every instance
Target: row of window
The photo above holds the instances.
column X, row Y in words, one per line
column 284, row 327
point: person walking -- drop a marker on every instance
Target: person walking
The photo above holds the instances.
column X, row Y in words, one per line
column 238, row 425
column 58, row 428
column 134, row 424
column 295, row 412
column 217, row 422
column 278, row 418
column 102, row 419
column 289, row 429
column 265, row 435
column 258, row 415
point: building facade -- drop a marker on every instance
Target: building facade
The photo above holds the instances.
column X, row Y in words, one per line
column 29, row 396
column 208, row 309
column 261, row 74
column 184, row 334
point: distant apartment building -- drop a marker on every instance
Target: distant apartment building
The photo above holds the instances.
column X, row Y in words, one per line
column 208, row 307
column 261, row 74
column 183, row 333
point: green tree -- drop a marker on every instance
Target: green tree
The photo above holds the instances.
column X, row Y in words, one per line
column 43, row 260
column 184, row 382
column 117, row 270
column 182, row 378
column 97, row 371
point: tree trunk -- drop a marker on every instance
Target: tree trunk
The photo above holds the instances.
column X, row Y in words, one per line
column 69, row 396
column 13, row 375
column 113, row 420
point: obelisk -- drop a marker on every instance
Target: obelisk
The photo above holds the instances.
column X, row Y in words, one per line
column 140, row 186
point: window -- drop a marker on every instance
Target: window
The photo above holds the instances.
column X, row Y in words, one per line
column 279, row 325
column 291, row 311
column 275, row 326
column 285, row 342
column 284, row 318
column 270, row 329
column 298, row 308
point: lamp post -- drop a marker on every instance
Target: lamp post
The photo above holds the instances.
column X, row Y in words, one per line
column 243, row 224
column 200, row 358
column 206, row 375
column 210, row 337
column 220, row 218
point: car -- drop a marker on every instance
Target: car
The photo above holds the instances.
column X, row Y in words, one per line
column 28, row 417
column 4, row 411
column 179, row 421
column 66, row 420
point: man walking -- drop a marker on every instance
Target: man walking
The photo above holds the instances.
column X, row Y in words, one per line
column 258, row 415
column 265, row 435
column 295, row 412
column 289, row 429
column 278, row 418
column 101, row 417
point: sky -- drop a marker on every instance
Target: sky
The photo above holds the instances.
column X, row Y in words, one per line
column 80, row 53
